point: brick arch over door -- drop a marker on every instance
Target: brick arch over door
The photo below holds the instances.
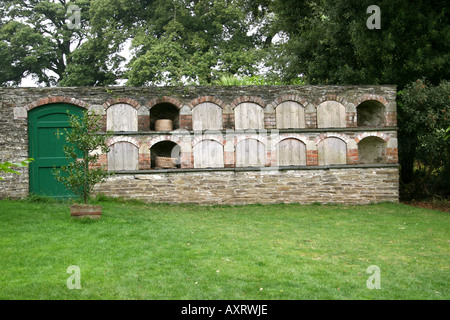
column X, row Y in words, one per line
column 120, row 100
column 58, row 99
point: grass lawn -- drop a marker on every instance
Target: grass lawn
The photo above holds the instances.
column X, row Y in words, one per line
column 139, row 251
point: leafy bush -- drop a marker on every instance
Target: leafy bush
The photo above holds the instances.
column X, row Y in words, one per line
column 424, row 114
column 83, row 138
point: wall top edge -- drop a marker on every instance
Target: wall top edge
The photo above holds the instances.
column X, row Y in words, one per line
column 118, row 88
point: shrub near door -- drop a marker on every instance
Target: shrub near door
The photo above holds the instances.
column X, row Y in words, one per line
column 79, row 176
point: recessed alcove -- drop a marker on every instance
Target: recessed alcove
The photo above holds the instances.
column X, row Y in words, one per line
column 164, row 110
column 166, row 149
column 372, row 150
column 370, row 113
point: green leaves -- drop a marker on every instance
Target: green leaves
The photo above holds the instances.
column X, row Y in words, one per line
column 329, row 42
column 424, row 112
column 6, row 166
column 192, row 42
column 36, row 40
column 84, row 141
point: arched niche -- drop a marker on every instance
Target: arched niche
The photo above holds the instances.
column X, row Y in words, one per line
column 291, row 152
column 331, row 114
column 332, row 150
column 123, row 156
column 164, row 110
column 208, row 154
column 167, row 149
column 121, row 117
column 370, row 113
column 371, row 150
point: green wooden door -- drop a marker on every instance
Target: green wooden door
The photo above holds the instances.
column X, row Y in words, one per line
column 46, row 147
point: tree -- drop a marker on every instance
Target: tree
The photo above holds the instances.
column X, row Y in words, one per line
column 428, row 112
column 36, row 40
column 195, row 41
column 329, row 42
column 83, row 141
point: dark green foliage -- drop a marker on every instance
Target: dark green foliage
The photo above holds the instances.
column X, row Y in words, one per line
column 329, row 41
column 424, row 112
column 192, row 42
column 36, row 41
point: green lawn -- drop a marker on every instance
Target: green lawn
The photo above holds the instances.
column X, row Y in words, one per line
column 138, row 251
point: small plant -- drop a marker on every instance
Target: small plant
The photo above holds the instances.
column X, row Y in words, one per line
column 227, row 80
column 6, row 166
column 84, row 140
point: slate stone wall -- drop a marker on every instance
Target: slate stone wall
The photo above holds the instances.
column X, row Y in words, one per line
column 346, row 183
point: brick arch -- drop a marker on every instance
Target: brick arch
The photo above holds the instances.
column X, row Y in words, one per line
column 161, row 138
column 203, row 99
column 199, row 139
column 165, row 99
column 331, row 97
column 241, row 138
column 299, row 137
column 124, row 100
column 323, row 136
column 128, row 139
column 371, row 97
column 289, row 97
column 380, row 135
column 52, row 100
column 243, row 99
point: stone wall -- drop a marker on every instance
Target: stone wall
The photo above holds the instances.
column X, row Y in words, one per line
column 375, row 182
column 357, row 185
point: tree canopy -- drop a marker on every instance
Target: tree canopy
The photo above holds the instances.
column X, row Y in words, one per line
column 37, row 40
column 198, row 41
column 329, row 42
column 194, row 41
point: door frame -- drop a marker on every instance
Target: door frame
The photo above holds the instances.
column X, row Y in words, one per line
column 33, row 141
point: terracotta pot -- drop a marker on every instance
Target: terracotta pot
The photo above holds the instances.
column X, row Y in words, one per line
column 163, row 125
column 86, row 210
